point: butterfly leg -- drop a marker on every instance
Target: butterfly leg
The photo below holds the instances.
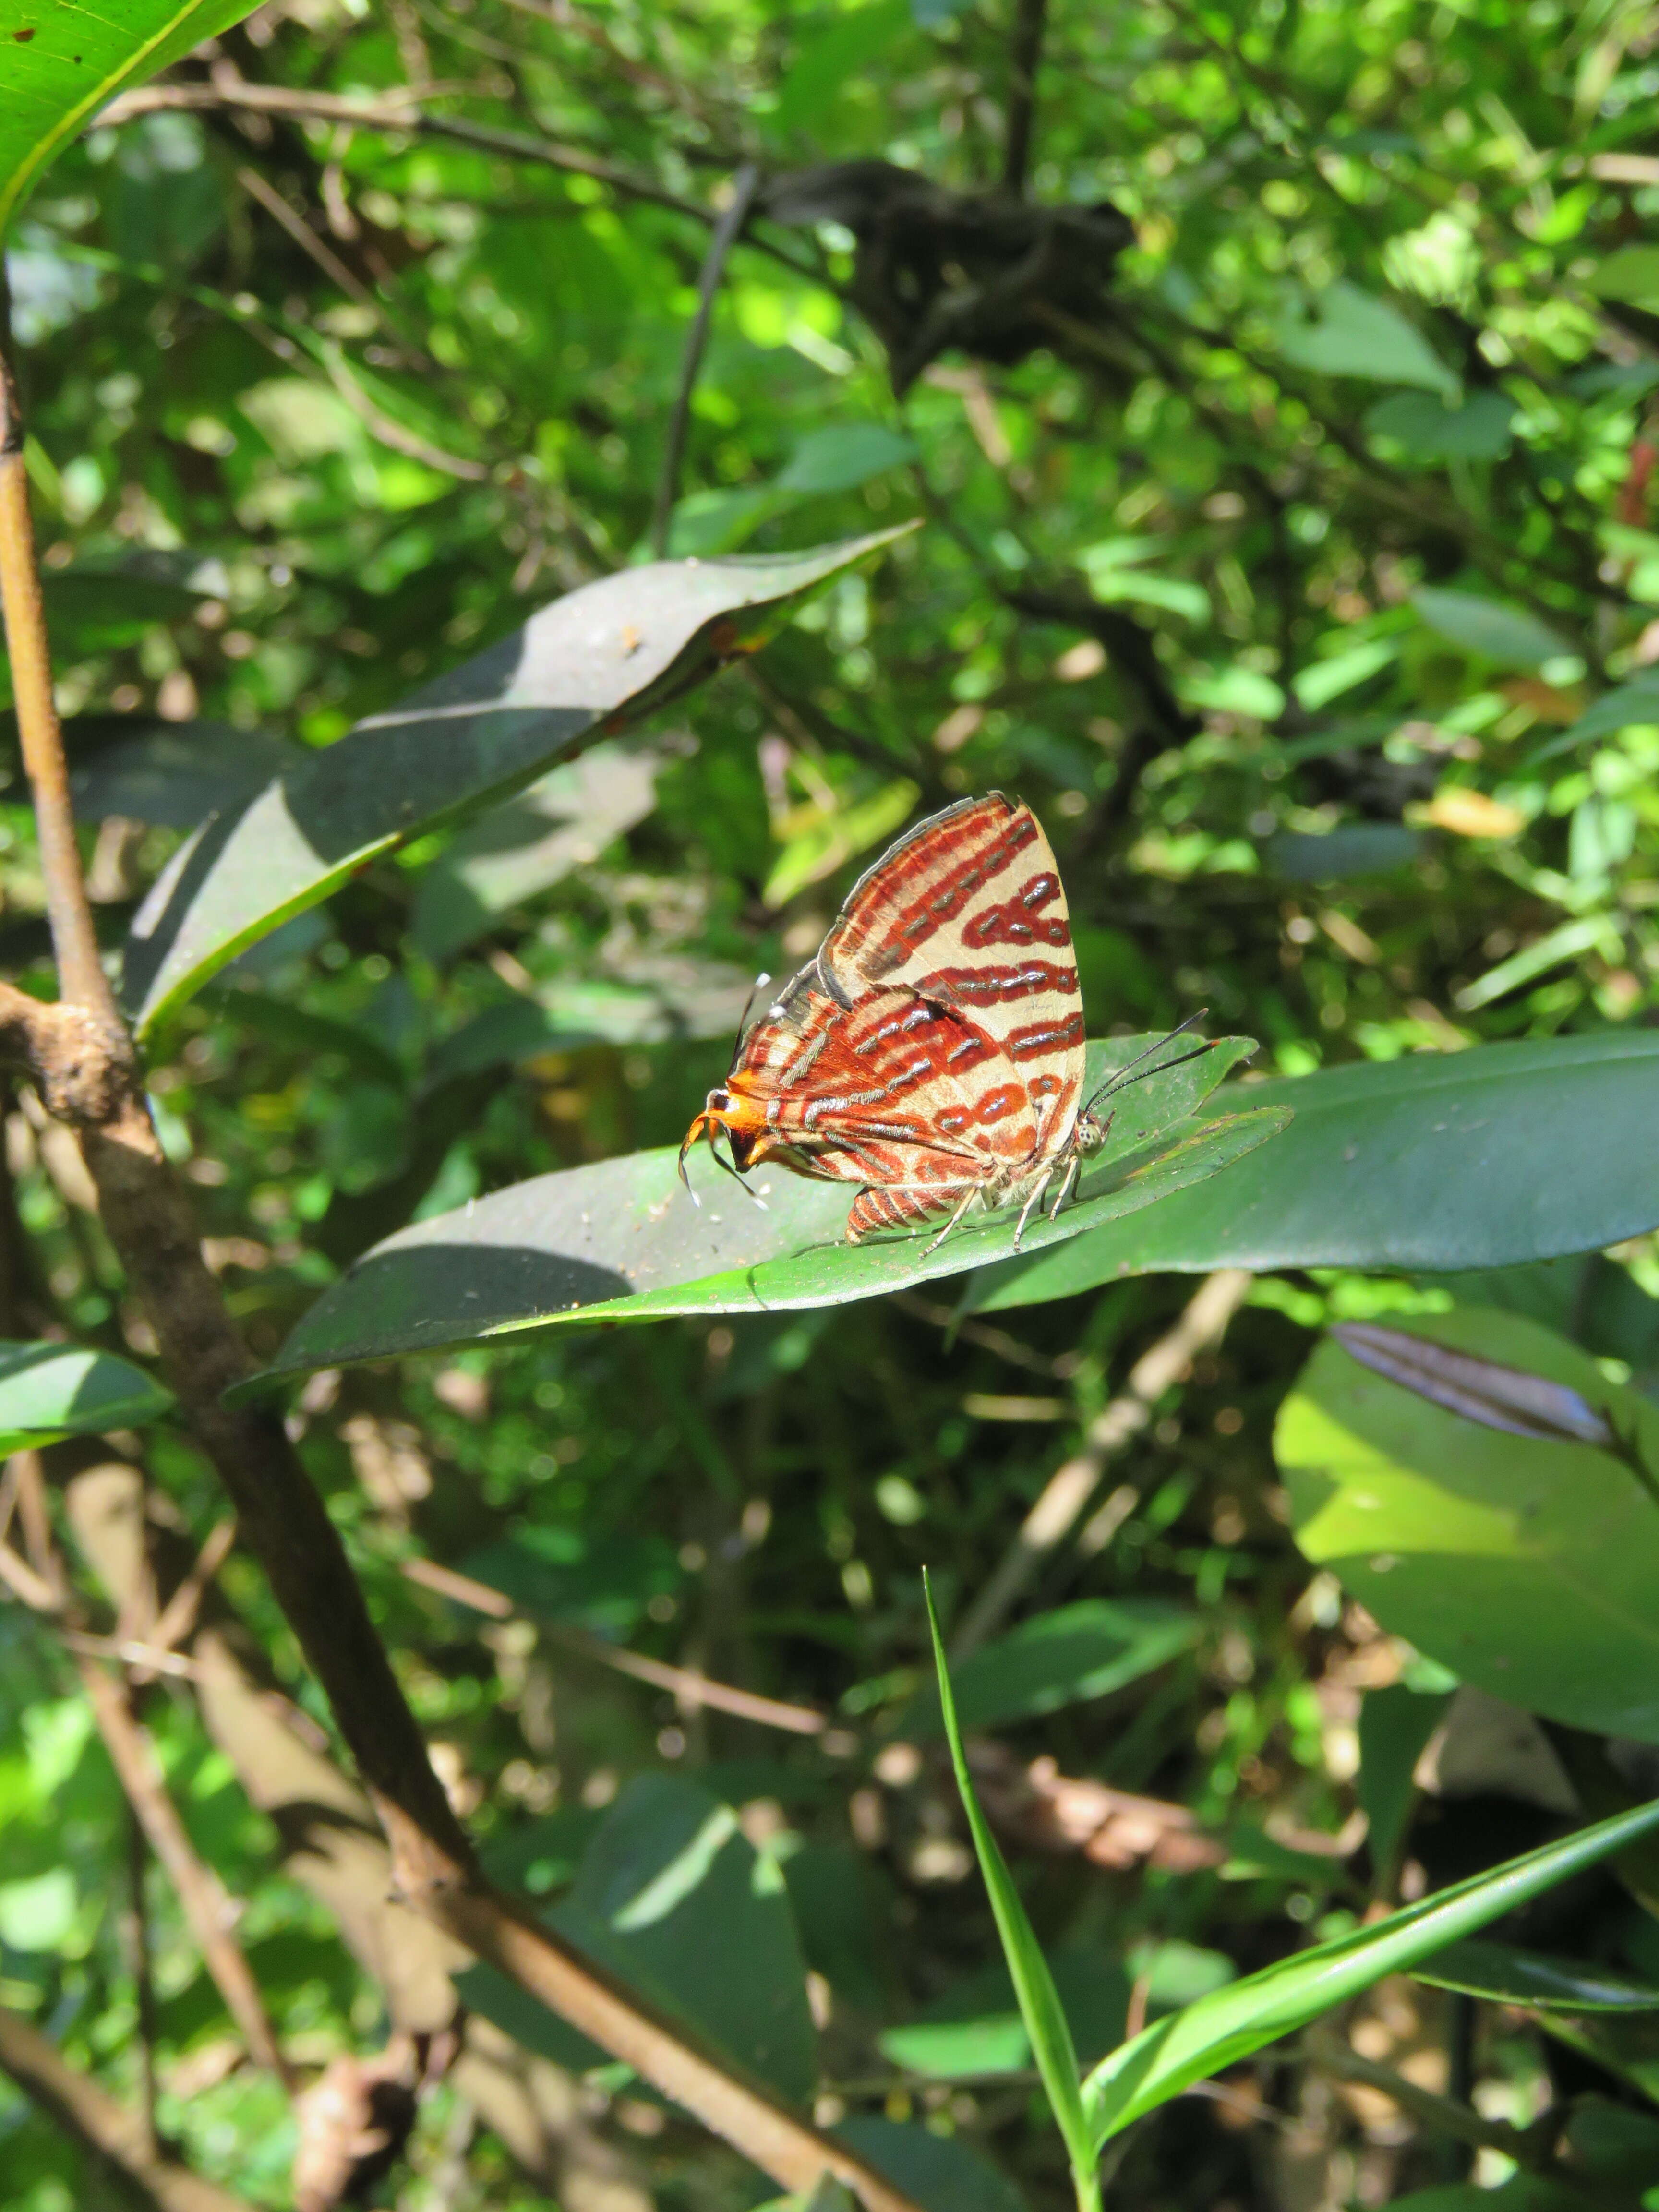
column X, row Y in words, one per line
column 1031, row 1204
column 1067, row 1183
column 963, row 1205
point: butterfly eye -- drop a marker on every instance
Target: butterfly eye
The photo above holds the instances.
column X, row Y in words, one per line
column 719, row 1103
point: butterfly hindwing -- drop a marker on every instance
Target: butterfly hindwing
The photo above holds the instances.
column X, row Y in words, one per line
column 968, row 911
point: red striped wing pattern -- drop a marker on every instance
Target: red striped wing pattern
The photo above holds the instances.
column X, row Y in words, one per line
column 932, row 1051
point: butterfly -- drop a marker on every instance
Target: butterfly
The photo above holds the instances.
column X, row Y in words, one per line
column 931, row 1051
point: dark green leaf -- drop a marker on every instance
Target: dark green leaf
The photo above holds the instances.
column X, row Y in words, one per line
column 1508, row 636
column 1505, row 1976
column 52, row 1390
column 613, row 649
column 1396, row 1724
column 942, row 2174
column 1437, row 1161
column 1352, row 333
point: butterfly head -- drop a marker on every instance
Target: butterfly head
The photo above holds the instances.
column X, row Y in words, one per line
column 748, row 1139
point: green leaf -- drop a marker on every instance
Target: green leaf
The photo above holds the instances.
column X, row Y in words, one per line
column 622, row 1241
column 53, row 1390
column 1528, row 1564
column 1061, row 1658
column 1040, row 2007
column 1508, row 636
column 1505, row 1976
column 1436, row 1161
column 565, row 820
column 1352, row 334
column 615, row 648
column 1357, row 848
column 1478, row 431
column 65, row 61
column 673, row 1897
column 173, row 773
column 1522, row 2192
column 1229, row 2025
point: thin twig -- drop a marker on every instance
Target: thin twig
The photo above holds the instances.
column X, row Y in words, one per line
column 207, row 1905
column 86, row 2112
column 136, row 1932
column 396, row 112
column 1068, row 1490
column 81, row 975
column 1025, row 54
column 726, row 231
column 695, row 1688
column 178, row 1617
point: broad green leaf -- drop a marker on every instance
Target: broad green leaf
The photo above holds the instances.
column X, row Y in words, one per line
column 1220, row 2029
column 1061, row 1658
column 603, row 1583
column 610, row 652
column 941, row 2173
column 171, row 773
column 685, row 999
column 1505, row 1976
column 1040, row 2007
column 1478, row 431
column 65, row 61
column 623, row 1241
column 1615, row 710
column 515, row 851
column 671, row 1896
column 1509, row 635
column 1439, row 1161
column 53, row 1390
column 1526, row 1563
column 1352, row 334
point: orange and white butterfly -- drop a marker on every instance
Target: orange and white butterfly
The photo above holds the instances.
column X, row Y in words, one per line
column 932, row 1051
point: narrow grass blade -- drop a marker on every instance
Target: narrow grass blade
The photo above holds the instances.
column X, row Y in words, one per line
column 1230, row 2024
column 1034, row 1985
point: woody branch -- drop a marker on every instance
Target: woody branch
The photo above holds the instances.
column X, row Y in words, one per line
column 81, row 1057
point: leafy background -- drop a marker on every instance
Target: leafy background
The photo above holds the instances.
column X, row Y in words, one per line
column 1303, row 576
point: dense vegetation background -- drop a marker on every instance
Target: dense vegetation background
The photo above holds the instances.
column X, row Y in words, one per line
column 1284, row 502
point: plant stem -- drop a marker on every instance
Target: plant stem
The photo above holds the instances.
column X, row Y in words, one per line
column 727, row 232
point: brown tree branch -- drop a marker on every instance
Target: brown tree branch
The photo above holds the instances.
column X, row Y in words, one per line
column 1025, row 54
column 148, row 1219
column 106, row 2130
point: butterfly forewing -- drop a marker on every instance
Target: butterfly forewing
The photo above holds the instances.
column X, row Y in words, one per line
column 968, row 911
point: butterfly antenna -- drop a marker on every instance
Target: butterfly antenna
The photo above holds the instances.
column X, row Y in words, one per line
column 686, row 1143
column 733, row 1171
column 1124, row 1076
column 755, row 990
